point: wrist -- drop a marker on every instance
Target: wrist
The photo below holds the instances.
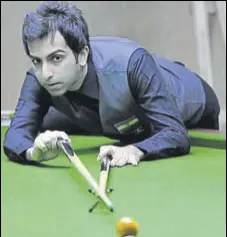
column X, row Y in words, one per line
column 33, row 154
column 28, row 154
column 140, row 153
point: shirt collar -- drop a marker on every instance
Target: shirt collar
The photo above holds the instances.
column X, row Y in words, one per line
column 90, row 84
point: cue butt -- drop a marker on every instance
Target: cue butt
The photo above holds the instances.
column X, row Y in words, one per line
column 104, row 173
column 84, row 171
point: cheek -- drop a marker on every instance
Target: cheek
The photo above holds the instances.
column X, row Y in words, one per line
column 70, row 72
column 67, row 71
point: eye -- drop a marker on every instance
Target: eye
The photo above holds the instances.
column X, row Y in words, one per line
column 36, row 61
column 57, row 58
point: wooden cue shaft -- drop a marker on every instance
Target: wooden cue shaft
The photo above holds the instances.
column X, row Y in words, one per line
column 104, row 173
column 84, row 172
column 103, row 178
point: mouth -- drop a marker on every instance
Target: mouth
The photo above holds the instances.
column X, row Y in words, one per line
column 53, row 84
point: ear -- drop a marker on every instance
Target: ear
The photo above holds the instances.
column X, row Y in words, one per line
column 83, row 55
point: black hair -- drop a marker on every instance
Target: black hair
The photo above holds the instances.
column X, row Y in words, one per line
column 52, row 16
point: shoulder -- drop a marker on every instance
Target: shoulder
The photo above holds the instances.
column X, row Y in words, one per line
column 113, row 45
column 111, row 53
column 31, row 86
column 140, row 59
column 30, row 72
column 30, row 78
column 138, row 54
column 110, row 39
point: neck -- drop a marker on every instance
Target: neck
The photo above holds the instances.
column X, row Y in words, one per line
column 77, row 85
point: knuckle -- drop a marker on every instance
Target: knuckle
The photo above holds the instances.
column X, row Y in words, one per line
column 101, row 148
column 64, row 135
column 47, row 132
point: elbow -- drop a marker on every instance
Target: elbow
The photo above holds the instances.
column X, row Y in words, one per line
column 187, row 148
column 179, row 150
column 12, row 156
column 182, row 144
column 185, row 145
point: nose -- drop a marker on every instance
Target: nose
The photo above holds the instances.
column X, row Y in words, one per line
column 47, row 73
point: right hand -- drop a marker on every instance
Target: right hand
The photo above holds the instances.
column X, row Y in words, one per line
column 45, row 146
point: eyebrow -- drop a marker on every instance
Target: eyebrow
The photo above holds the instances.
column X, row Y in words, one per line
column 51, row 54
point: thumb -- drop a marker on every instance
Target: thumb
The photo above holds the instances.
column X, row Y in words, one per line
column 105, row 151
column 132, row 160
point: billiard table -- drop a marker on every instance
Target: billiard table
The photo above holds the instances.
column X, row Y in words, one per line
column 181, row 196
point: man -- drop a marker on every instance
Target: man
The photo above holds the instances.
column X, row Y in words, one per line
column 102, row 86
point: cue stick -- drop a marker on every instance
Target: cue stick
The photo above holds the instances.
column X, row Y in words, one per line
column 103, row 178
column 104, row 174
column 64, row 145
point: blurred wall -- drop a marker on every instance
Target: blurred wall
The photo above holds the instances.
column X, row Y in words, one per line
column 165, row 28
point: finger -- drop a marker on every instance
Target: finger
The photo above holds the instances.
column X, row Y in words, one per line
column 37, row 154
column 51, row 154
column 105, row 151
column 40, row 144
column 55, row 135
column 117, row 160
column 132, row 160
column 122, row 161
column 48, row 139
column 118, row 163
column 64, row 136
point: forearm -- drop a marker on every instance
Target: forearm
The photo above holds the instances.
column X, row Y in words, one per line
column 15, row 157
column 31, row 108
column 166, row 143
column 149, row 88
column 15, row 145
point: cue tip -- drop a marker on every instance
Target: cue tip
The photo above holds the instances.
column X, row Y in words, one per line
column 111, row 209
column 90, row 210
column 109, row 190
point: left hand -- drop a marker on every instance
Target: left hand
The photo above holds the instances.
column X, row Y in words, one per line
column 121, row 156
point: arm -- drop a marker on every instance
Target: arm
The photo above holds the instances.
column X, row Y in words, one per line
column 169, row 136
column 33, row 104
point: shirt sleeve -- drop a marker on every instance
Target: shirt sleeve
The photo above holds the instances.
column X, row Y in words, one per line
column 169, row 136
column 33, row 104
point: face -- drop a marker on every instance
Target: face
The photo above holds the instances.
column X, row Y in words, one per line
column 55, row 65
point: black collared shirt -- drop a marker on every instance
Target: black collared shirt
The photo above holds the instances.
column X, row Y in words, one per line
column 142, row 81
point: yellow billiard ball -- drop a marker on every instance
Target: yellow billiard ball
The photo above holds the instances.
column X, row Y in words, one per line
column 127, row 226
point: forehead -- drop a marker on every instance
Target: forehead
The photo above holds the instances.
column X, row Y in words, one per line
column 42, row 47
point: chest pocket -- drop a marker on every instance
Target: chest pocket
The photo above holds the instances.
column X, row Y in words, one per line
column 134, row 127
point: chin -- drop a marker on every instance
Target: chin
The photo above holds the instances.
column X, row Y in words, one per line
column 57, row 93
